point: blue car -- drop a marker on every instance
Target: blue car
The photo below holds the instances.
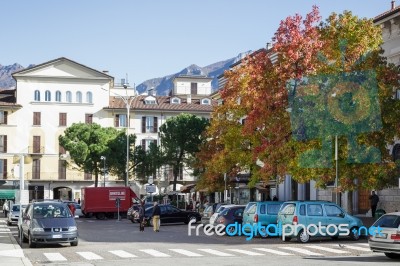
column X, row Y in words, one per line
column 303, row 219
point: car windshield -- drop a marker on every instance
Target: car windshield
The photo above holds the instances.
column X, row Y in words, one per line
column 388, row 221
column 43, row 211
column 15, row 208
column 251, row 208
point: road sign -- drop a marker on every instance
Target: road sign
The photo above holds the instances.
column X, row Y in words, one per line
column 151, row 189
column 150, row 181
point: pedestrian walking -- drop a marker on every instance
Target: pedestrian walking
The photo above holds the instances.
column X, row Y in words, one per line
column 142, row 218
column 374, row 199
column 156, row 217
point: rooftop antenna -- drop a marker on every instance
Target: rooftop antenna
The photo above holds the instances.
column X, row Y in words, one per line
column 126, row 79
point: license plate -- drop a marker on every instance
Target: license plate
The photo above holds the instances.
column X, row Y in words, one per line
column 57, row 236
column 382, row 235
column 205, row 215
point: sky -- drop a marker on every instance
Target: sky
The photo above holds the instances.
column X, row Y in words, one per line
column 150, row 38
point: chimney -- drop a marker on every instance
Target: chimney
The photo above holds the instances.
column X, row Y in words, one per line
column 393, row 4
column 268, row 46
column 189, row 98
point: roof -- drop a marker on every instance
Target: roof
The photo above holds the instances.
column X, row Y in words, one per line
column 386, row 14
column 192, row 77
column 60, row 59
column 163, row 103
column 7, row 98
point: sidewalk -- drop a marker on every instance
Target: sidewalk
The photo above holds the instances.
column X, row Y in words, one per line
column 10, row 251
column 367, row 221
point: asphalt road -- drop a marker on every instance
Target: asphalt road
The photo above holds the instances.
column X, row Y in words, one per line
column 111, row 242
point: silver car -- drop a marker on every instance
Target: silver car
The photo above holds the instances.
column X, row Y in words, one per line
column 47, row 223
column 13, row 215
column 388, row 240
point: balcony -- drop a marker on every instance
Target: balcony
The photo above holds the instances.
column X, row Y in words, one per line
column 70, row 176
column 39, row 150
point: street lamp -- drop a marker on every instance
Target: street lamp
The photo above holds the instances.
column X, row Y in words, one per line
column 103, row 158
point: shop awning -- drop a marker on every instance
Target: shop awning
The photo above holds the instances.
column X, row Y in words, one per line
column 187, row 188
column 7, row 194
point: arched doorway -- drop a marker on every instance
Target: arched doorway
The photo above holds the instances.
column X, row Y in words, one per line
column 62, row 193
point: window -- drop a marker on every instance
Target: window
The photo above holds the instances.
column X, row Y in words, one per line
column 62, row 170
column 47, row 96
column 193, row 88
column 3, row 117
column 58, row 96
column 78, row 97
column 3, row 168
column 37, row 96
column 68, row 97
column 146, row 143
column 37, row 118
column 303, row 209
column 149, row 124
column 36, row 144
column 314, row 210
column 333, row 211
column 251, row 208
column 88, row 118
column 3, row 143
column 176, row 101
column 88, row 176
column 389, row 221
column 273, row 208
column 120, row 121
column 206, row 101
column 62, row 120
column 89, row 98
column 262, row 209
column 35, row 169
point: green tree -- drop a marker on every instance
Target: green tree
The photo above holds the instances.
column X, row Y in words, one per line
column 86, row 143
column 181, row 137
column 147, row 162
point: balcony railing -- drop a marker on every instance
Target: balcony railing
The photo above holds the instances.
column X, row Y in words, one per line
column 36, row 150
column 55, row 176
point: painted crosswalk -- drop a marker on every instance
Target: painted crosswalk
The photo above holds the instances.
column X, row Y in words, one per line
column 132, row 254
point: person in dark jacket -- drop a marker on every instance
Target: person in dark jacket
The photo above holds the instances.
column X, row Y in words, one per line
column 374, row 199
column 156, row 217
column 142, row 218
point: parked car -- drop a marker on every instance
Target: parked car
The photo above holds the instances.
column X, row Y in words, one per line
column 219, row 209
column 307, row 213
column 133, row 212
column 261, row 212
column 388, row 241
column 230, row 215
column 171, row 214
column 78, row 208
column 13, row 215
column 47, row 223
column 209, row 211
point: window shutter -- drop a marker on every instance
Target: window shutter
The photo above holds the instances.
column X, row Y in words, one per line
column 5, row 117
column 116, row 121
column 143, row 144
column 155, row 125
column 4, row 168
column 143, row 124
column 5, row 143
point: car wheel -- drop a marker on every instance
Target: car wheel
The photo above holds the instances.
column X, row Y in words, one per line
column 392, row 255
column 191, row 218
column 263, row 233
column 334, row 237
column 132, row 220
column 150, row 222
column 30, row 241
column 354, row 235
column 303, row 237
column 74, row 244
column 287, row 239
column 100, row 215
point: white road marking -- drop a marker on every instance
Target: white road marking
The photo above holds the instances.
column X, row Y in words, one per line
column 122, row 254
column 363, row 244
column 246, row 252
column 154, row 253
column 273, row 251
column 89, row 255
column 216, row 252
column 357, row 248
column 54, row 256
column 332, row 250
column 186, row 252
column 302, row 251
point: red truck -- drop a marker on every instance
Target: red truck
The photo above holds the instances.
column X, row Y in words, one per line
column 102, row 201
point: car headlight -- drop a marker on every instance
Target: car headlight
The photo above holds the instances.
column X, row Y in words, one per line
column 72, row 228
column 37, row 229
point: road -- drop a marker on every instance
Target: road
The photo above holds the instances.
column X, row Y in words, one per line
column 111, row 242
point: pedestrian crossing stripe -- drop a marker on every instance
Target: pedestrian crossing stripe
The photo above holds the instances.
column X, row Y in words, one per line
column 186, row 252
column 54, row 256
column 273, row 251
column 246, row 252
column 216, row 252
column 122, row 254
column 356, row 248
column 302, row 251
column 332, row 250
column 154, row 253
column 89, row 255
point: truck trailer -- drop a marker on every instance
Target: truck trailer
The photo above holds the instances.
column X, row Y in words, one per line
column 103, row 202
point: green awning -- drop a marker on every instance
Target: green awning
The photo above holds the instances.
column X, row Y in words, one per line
column 7, row 194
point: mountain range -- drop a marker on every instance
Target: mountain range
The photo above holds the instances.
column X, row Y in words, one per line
column 161, row 85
